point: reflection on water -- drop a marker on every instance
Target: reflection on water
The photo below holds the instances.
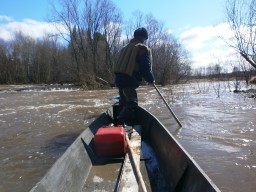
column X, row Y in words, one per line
column 37, row 126
column 59, row 144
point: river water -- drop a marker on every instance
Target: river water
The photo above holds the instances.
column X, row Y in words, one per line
column 219, row 128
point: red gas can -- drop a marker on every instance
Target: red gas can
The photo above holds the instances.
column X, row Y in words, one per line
column 110, row 141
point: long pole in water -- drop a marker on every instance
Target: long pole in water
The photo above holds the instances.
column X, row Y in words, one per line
column 168, row 106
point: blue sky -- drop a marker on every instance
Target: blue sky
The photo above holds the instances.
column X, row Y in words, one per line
column 24, row 9
column 177, row 14
column 196, row 23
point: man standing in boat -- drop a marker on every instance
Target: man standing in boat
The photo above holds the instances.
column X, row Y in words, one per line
column 133, row 64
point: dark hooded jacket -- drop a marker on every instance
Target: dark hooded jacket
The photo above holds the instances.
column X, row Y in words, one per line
column 134, row 63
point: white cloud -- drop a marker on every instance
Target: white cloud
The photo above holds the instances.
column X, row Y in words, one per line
column 35, row 29
column 5, row 18
column 206, row 45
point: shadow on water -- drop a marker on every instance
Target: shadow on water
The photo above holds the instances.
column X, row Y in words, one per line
column 60, row 143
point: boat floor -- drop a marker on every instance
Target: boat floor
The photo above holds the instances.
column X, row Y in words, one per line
column 104, row 177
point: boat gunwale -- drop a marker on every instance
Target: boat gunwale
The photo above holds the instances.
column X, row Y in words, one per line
column 190, row 160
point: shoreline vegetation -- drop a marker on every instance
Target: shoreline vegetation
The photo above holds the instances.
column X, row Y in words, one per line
column 89, row 46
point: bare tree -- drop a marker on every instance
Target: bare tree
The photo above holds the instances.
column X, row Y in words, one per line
column 157, row 32
column 93, row 30
column 27, row 60
column 4, row 62
column 133, row 23
column 21, row 52
column 241, row 15
column 217, row 78
column 66, row 15
column 111, row 31
column 170, row 59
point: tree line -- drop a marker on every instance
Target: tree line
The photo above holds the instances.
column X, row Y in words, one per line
column 90, row 35
column 91, row 32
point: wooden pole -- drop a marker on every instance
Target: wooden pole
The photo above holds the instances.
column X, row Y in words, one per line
column 168, row 106
column 137, row 169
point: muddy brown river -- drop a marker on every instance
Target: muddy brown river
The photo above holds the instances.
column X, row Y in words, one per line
column 37, row 124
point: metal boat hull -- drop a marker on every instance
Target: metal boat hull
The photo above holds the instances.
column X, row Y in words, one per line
column 79, row 168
